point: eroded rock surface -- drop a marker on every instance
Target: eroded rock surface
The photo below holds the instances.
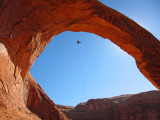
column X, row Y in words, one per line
column 39, row 103
column 12, row 105
column 142, row 106
column 27, row 26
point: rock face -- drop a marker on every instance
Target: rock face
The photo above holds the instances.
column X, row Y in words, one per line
column 143, row 106
column 39, row 103
column 27, row 26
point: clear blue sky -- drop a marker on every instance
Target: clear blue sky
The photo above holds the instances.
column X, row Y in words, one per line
column 70, row 73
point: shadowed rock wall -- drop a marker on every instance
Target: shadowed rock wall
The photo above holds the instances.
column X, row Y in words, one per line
column 142, row 106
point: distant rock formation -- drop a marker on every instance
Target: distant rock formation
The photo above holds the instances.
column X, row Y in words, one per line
column 142, row 106
column 27, row 26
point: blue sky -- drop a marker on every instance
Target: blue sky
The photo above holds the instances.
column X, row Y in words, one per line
column 72, row 73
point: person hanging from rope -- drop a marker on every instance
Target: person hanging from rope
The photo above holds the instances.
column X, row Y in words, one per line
column 78, row 42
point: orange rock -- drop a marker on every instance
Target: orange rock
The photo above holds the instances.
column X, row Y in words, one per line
column 142, row 106
column 39, row 103
column 28, row 26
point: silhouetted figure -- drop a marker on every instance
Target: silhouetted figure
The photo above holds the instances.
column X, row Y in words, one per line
column 78, row 42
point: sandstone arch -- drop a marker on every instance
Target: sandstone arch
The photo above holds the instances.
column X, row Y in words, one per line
column 28, row 26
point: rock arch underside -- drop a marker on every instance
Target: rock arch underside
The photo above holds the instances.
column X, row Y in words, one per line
column 27, row 26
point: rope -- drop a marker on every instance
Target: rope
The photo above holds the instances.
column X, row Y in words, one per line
column 81, row 73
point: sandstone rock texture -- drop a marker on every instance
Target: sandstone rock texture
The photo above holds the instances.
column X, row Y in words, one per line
column 142, row 106
column 27, row 26
column 39, row 103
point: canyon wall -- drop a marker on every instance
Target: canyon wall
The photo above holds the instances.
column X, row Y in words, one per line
column 142, row 106
column 27, row 26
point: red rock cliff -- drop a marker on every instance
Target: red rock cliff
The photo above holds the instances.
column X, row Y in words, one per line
column 142, row 106
column 39, row 103
column 27, row 26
